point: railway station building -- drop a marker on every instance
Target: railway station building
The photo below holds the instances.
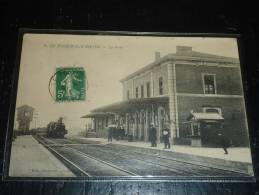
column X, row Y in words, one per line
column 197, row 94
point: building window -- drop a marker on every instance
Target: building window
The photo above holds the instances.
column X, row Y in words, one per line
column 160, row 83
column 136, row 92
column 195, row 127
column 212, row 110
column 128, row 94
column 102, row 124
column 209, row 83
column 142, row 91
column 148, row 89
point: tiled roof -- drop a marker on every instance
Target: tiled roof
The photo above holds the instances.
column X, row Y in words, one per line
column 185, row 56
column 205, row 56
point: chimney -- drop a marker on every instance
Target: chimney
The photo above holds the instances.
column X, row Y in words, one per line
column 183, row 49
column 157, row 55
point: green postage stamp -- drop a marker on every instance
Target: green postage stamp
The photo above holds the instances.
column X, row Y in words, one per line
column 70, row 84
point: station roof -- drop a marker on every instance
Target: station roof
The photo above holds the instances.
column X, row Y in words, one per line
column 205, row 116
column 186, row 53
column 124, row 106
column 96, row 115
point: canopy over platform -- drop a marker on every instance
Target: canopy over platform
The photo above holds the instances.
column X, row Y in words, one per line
column 126, row 106
column 132, row 104
column 198, row 116
column 97, row 115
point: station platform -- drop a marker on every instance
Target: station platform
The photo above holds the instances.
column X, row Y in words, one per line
column 238, row 159
column 240, row 154
column 31, row 159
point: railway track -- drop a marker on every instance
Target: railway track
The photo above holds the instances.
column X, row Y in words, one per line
column 131, row 162
column 205, row 169
column 178, row 166
column 72, row 166
column 82, row 164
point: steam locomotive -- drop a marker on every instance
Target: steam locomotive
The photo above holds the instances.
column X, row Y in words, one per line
column 56, row 129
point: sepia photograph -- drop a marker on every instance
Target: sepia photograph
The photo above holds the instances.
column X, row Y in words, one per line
column 129, row 106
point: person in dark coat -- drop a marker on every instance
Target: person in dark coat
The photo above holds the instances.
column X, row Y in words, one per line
column 152, row 135
column 116, row 132
column 122, row 132
column 110, row 133
column 224, row 142
column 165, row 136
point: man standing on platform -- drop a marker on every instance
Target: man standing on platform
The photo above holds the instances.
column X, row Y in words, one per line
column 152, row 135
column 165, row 133
column 224, row 142
column 110, row 132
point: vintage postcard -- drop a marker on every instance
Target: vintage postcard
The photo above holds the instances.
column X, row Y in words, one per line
column 127, row 106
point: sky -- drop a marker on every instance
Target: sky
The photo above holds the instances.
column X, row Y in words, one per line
column 105, row 59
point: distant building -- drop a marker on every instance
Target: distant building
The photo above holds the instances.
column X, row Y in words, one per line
column 24, row 117
column 199, row 94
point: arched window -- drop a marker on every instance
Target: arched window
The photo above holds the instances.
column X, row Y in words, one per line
column 142, row 91
column 148, row 89
column 136, row 92
column 160, row 84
